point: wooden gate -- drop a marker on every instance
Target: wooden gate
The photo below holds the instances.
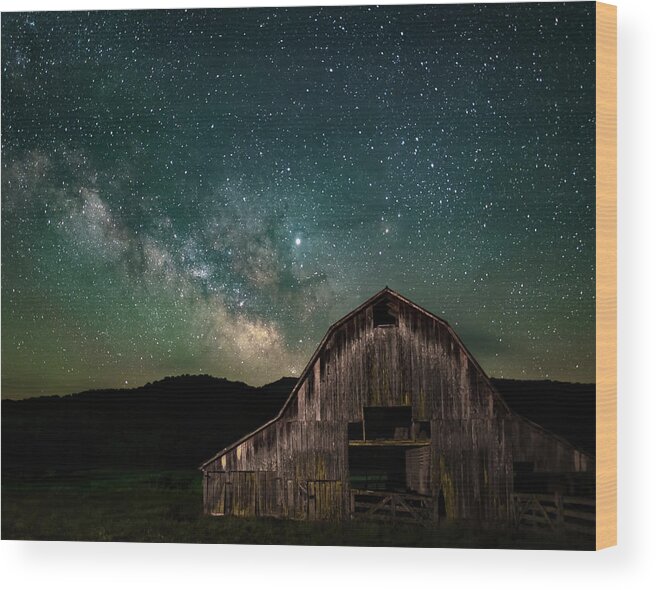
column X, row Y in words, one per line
column 392, row 506
column 555, row 512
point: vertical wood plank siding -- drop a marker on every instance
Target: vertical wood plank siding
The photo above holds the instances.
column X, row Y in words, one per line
column 297, row 465
column 418, row 470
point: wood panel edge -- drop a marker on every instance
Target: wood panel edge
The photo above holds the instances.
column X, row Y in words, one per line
column 606, row 283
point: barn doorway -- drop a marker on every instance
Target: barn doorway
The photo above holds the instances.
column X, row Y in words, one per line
column 403, row 468
column 390, row 482
column 389, row 464
column 389, row 451
column 377, row 468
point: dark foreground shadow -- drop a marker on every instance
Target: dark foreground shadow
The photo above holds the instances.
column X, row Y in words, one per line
column 165, row 507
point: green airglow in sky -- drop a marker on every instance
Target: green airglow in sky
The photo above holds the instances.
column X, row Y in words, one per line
column 206, row 191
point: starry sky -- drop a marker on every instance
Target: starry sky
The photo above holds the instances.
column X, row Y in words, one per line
column 206, row 191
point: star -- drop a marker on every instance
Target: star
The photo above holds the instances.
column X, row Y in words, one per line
column 220, row 196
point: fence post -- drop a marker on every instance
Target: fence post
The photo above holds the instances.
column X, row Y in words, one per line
column 560, row 509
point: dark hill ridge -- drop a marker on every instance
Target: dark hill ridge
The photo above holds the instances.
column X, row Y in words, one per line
column 180, row 421
column 169, row 424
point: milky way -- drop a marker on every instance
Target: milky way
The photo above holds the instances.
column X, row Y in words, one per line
column 206, row 191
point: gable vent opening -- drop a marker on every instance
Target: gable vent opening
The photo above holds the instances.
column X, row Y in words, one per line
column 383, row 315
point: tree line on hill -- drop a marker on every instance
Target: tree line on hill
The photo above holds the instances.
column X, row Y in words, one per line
column 178, row 422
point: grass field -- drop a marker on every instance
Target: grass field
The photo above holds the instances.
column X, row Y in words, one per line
column 165, row 507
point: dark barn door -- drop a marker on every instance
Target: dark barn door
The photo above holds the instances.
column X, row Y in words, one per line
column 227, row 498
column 325, row 500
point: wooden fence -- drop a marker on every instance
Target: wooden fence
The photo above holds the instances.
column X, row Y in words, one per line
column 555, row 512
column 394, row 506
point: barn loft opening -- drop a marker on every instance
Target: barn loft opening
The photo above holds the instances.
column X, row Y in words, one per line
column 387, row 423
column 383, row 315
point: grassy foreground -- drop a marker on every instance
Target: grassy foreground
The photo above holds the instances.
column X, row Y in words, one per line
column 165, row 507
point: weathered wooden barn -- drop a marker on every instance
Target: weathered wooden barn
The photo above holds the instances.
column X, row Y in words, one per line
column 392, row 407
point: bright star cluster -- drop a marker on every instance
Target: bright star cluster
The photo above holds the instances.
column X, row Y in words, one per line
column 206, row 191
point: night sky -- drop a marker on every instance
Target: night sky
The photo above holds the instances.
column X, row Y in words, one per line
column 206, row 191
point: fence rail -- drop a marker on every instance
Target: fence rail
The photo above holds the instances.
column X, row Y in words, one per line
column 395, row 506
column 555, row 512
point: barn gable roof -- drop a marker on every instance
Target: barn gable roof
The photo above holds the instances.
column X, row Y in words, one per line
column 386, row 292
